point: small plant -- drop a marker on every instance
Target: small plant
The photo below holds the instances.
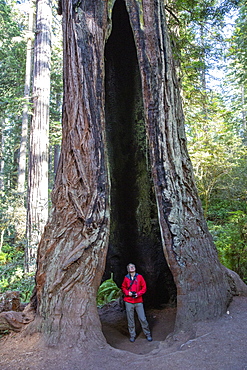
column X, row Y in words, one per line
column 108, row 292
column 12, row 275
column 3, row 258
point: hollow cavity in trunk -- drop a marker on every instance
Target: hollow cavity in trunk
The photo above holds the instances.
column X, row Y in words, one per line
column 135, row 234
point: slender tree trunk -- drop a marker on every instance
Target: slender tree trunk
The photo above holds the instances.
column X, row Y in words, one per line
column 37, row 211
column 243, row 113
column 1, row 158
column 1, row 239
column 1, row 179
column 203, row 75
column 24, row 132
column 72, row 252
column 57, row 151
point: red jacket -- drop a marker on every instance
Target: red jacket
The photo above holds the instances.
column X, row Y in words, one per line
column 139, row 286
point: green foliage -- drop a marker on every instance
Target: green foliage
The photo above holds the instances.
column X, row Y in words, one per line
column 13, row 35
column 12, row 227
column 217, row 152
column 12, row 275
column 238, row 46
column 3, row 258
column 198, row 40
column 219, row 209
column 236, row 82
column 12, row 218
column 231, row 242
column 12, row 77
column 216, row 132
column 55, row 129
column 12, row 62
column 108, row 292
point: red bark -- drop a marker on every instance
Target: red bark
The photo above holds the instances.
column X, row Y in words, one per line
column 72, row 253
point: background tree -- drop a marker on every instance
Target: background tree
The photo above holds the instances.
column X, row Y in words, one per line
column 13, row 35
column 12, row 69
column 237, row 71
column 215, row 149
column 214, row 122
column 26, row 107
column 37, row 204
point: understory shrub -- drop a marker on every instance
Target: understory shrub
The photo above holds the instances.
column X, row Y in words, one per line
column 108, row 292
column 12, row 275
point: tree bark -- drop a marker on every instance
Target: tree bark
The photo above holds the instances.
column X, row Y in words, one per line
column 24, row 131
column 187, row 244
column 37, row 211
column 72, row 252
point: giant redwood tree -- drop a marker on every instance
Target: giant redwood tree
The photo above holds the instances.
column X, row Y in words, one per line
column 124, row 189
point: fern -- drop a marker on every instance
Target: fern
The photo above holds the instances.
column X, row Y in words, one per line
column 107, row 292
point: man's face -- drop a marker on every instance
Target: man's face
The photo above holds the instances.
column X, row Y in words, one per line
column 131, row 268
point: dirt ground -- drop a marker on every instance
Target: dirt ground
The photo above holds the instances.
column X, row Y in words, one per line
column 212, row 345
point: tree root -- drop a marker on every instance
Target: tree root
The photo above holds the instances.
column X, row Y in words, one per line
column 237, row 286
column 15, row 321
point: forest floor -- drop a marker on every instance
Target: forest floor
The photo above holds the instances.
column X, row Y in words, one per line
column 212, row 345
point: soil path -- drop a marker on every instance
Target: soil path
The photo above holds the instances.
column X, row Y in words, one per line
column 212, row 345
column 115, row 329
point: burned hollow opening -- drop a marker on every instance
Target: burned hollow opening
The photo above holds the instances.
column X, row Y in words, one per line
column 135, row 234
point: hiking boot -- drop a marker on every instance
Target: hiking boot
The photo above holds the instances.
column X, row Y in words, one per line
column 132, row 339
column 149, row 338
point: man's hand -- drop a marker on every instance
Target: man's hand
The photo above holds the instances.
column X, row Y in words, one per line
column 133, row 296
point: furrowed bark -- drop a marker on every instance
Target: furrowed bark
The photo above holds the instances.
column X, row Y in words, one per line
column 37, row 203
column 72, row 252
column 202, row 286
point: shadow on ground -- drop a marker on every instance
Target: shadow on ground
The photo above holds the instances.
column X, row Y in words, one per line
column 115, row 328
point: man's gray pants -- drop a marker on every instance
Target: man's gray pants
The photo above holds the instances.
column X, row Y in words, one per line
column 130, row 311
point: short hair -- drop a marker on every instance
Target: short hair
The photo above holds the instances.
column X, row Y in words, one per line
column 130, row 264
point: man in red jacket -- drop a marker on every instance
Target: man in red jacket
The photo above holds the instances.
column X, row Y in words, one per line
column 133, row 287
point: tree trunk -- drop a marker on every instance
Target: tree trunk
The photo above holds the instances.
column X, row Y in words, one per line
column 73, row 249
column 1, row 157
column 57, row 150
column 243, row 113
column 37, row 211
column 24, row 131
column 72, row 254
